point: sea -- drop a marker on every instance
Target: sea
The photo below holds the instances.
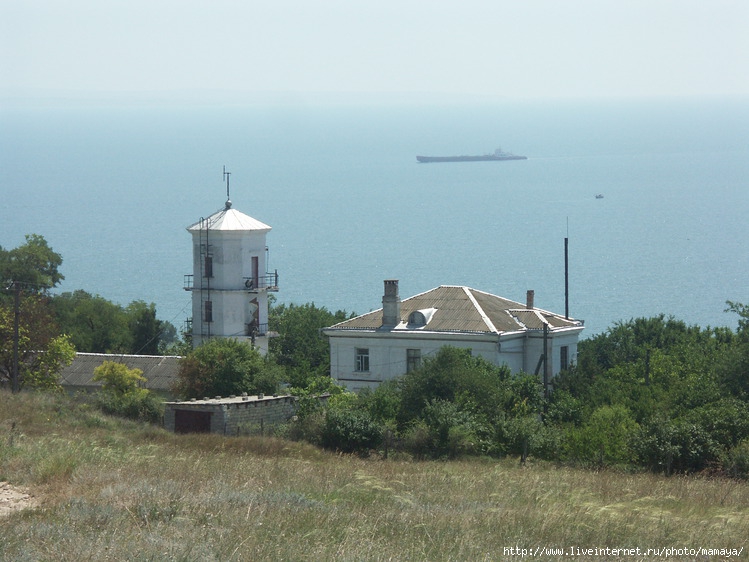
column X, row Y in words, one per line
column 112, row 188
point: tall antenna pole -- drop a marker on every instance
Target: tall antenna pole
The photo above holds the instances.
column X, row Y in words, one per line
column 567, row 274
column 226, row 179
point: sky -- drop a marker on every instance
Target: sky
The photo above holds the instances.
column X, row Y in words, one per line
column 494, row 48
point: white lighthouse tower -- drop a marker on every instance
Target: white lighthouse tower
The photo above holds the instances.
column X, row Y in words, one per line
column 229, row 282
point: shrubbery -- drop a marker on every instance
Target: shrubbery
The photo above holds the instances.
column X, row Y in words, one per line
column 650, row 393
column 350, row 431
column 225, row 367
column 141, row 407
column 122, row 396
column 445, row 409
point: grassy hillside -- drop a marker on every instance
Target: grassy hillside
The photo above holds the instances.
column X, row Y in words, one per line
column 111, row 489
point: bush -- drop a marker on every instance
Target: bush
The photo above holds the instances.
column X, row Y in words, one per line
column 736, row 463
column 307, row 427
column 417, row 440
column 605, row 439
column 136, row 406
column 350, row 431
column 669, row 446
column 383, row 402
column 121, row 395
column 517, row 435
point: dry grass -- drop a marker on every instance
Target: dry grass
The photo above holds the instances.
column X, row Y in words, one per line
column 111, row 490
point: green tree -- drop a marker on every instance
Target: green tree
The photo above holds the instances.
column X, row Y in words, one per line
column 224, row 367
column 27, row 273
column 150, row 336
column 36, row 333
column 118, row 378
column 454, row 375
column 34, row 265
column 733, row 367
column 300, row 346
column 95, row 324
column 44, row 372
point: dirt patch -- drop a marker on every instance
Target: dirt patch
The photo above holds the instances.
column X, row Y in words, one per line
column 14, row 499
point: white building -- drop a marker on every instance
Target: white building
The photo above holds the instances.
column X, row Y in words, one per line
column 230, row 283
column 387, row 343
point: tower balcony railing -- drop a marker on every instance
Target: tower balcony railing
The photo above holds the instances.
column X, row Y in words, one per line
column 267, row 282
column 253, row 329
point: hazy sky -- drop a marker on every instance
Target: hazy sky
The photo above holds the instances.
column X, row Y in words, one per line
column 518, row 48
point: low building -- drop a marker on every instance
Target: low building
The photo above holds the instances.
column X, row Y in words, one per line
column 388, row 342
column 233, row 415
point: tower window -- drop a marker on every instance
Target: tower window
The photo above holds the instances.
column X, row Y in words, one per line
column 362, row 359
column 208, row 309
column 564, row 357
column 208, row 266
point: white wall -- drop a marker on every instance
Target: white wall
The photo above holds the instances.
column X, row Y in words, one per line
column 232, row 253
column 388, row 356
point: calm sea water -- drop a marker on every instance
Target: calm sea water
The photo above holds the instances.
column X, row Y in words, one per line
column 113, row 189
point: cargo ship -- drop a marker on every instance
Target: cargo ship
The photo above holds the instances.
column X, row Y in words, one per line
column 498, row 155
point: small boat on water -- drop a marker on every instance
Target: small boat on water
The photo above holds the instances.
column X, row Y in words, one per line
column 498, row 155
column 599, row 196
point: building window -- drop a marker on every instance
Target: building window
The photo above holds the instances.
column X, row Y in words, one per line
column 208, row 266
column 413, row 359
column 564, row 357
column 362, row 359
column 208, row 317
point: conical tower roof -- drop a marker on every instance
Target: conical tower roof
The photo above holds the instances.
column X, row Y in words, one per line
column 229, row 219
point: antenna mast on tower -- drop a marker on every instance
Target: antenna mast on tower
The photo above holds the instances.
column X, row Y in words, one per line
column 226, row 178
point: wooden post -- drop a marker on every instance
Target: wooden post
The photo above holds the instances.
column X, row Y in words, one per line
column 16, row 320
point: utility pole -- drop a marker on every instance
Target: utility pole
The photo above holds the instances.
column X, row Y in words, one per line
column 16, row 320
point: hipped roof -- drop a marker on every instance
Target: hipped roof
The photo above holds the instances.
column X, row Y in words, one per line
column 463, row 309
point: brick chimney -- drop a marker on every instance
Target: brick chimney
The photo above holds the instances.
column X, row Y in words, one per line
column 391, row 304
column 529, row 299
